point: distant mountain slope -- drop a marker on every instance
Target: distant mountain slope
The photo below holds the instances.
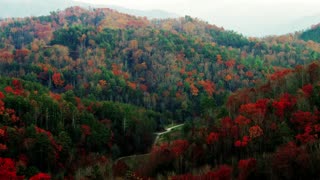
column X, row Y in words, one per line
column 151, row 14
column 24, row 8
column 312, row 34
column 305, row 22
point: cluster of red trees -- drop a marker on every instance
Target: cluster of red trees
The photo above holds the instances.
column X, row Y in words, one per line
column 7, row 113
column 8, row 170
column 224, row 172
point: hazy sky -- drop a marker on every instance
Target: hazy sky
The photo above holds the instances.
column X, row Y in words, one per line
column 250, row 17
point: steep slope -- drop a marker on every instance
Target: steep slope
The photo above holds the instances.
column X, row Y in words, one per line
column 112, row 56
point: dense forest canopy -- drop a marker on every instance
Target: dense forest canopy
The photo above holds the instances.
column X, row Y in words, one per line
column 80, row 88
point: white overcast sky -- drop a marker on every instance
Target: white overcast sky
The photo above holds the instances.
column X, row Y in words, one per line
column 250, row 17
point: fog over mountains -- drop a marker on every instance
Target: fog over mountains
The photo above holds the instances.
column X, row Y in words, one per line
column 242, row 23
column 22, row 8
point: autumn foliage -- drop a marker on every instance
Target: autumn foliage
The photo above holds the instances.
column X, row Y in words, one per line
column 246, row 167
column 41, row 176
column 80, row 88
column 57, row 79
column 8, row 169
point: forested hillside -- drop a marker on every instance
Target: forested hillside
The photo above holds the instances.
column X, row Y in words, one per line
column 80, row 88
column 312, row 34
column 267, row 132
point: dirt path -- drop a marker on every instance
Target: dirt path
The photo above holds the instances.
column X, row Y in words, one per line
column 165, row 132
column 154, row 142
